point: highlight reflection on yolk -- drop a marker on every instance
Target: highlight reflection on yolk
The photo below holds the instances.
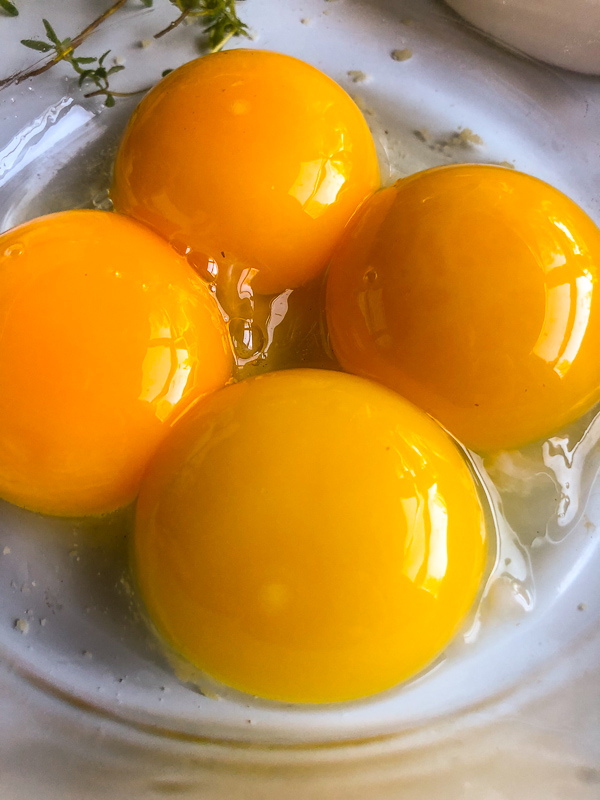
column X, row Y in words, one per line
column 473, row 291
column 249, row 158
column 308, row 536
column 105, row 334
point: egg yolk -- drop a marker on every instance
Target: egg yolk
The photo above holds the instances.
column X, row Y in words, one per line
column 105, row 334
column 248, row 158
column 308, row 536
column 473, row 291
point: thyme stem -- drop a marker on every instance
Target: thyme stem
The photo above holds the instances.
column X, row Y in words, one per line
column 81, row 37
column 173, row 25
column 223, row 42
column 99, row 92
column 31, row 72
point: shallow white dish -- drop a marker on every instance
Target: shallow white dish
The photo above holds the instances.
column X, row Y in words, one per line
column 90, row 707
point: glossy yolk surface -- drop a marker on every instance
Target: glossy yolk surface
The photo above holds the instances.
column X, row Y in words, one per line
column 473, row 291
column 251, row 158
column 308, row 536
column 105, row 333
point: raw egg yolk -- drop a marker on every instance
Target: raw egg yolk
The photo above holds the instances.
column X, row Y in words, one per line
column 248, row 158
column 473, row 291
column 105, row 334
column 308, row 536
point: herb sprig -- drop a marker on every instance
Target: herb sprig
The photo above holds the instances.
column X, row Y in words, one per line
column 63, row 50
column 98, row 75
column 221, row 22
column 220, row 19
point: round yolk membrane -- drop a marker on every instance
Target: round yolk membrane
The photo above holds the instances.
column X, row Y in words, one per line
column 308, row 536
column 473, row 291
column 249, row 160
column 106, row 334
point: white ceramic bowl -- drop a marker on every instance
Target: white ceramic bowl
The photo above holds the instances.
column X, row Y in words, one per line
column 90, row 707
column 562, row 32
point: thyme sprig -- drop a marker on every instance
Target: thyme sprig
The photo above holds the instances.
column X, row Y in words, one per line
column 219, row 17
column 63, row 50
column 97, row 75
column 221, row 22
column 100, row 77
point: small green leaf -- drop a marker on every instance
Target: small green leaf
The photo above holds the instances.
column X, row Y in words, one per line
column 165, row 72
column 110, row 101
column 84, row 60
column 35, row 44
column 101, row 72
column 147, row 3
column 102, row 57
column 50, row 32
column 9, row 7
column 116, row 68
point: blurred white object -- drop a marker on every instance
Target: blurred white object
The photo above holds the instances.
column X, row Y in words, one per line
column 562, row 32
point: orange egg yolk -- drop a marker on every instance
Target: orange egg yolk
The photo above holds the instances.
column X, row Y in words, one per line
column 252, row 159
column 473, row 291
column 308, row 536
column 106, row 333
